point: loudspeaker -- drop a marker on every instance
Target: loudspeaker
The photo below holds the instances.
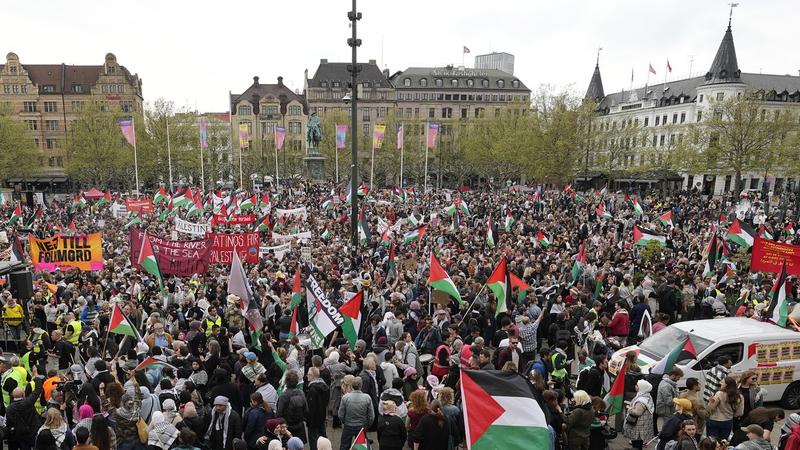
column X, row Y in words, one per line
column 21, row 285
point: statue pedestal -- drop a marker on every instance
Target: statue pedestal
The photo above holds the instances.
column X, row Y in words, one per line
column 315, row 168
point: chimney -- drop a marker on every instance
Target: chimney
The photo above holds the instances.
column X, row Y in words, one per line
column 280, row 81
column 323, row 61
column 373, row 62
column 255, row 80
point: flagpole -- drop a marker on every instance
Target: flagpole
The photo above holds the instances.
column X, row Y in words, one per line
column 202, row 167
column 337, row 164
column 135, row 158
column 169, row 152
column 425, row 184
column 402, row 144
column 372, row 165
column 277, row 183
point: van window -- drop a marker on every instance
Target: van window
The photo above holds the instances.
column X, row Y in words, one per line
column 735, row 351
column 663, row 342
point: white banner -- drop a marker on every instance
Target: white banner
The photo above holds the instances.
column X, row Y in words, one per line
column 119, row 210
column 303, row 236
column 196, row 229
column 301, row 211
column 279, row 250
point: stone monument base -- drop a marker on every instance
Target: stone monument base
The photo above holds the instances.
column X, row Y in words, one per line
column 315, row 168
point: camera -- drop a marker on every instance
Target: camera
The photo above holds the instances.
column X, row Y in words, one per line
column 68, row 386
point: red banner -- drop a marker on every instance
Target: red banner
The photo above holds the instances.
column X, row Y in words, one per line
column 144, row 205
column 181, row 258
column 220, row 219
column 246, row 244
column 769, row 256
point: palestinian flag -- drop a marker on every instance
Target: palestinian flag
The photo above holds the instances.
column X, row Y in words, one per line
column 789, row 229
column 106, row 199
column 598, row 285
column 740, row 233
column 763, row 233
column 71, row 230
column 161, row 196
column 439, row 280
column 500, row 284
column 521, row 286
column 152, row 362
column 509, row 221
column 297, row 290
column 578, row 197
column 326, row 234
column 119, row 324
column 542, row 239
column 667, row 363
column 616, row 396
column 351, row 313
column 264, row 202
column 580, row 262
column 265, row 223
column 195, row 208
column 567, row 188
column 249, row 203
column 363, row 190
column 399, row 194
column 136, row 220
column 148, row 261
column 778, row 310
column 15, row 216
column 601, row 211
column 414, row 235
column 645, row 237
column 391, row 272
column 637, row 208
column 491, row 233
column 462, row 205
column 363, row 230
column 713, row 254
column 450, row 210
column 79, row 201
column 730, row 272
column 386, row 236
column 500, row 412
column 294, row 329
column 360, row 443
column 182, row 199
column 666, row 219
column 327, row 204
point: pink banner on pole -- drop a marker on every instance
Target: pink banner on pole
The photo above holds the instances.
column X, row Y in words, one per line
column 433, row 134
column 400, row 137
column 203, row 133
column 128, row 130
column 280, row 136
column 341, row 135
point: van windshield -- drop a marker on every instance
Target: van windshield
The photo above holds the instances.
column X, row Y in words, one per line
column 663, row 342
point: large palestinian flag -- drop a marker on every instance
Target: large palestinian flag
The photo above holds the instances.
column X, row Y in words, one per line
column 440, row 281
column 501, row 413
column 740, row 233
column 119, row 324
column 644, row 237
column 500, row 284
column 148, row 261
column 351, row 312
column 778, row 311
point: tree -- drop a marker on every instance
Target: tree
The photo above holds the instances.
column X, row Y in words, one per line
column 741, row 135
column 565, row 124
column 19, row 156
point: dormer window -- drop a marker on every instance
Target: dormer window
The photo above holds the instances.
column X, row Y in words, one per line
column 438, row 82
column 423, row 82
column 365, row 84
column 245, row 110
column 454, row 82
column 12, row 69
column 324, row 84
column 407, row 82
column 501, row 83
column 470, row 82
column 111, row 68
column 515, row 84
column 337, row 84
column 485, row 83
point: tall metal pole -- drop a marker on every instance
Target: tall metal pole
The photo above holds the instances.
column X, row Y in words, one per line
column 202, row 167
column 354, row 68
column 169, row 153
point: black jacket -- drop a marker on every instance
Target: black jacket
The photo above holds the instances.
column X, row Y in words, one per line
column 317, row 396
column 22, row 421
column 391, row 432
column 591, row 381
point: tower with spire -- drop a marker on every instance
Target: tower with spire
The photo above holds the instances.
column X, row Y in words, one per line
column 725, row 68
column 595, row 91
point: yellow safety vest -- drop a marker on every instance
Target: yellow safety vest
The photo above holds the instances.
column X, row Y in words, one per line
column 18, row 374
column 557, row 373
column 210, row 323
column 77, row 325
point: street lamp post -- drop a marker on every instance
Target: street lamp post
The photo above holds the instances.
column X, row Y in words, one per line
column 354, row 68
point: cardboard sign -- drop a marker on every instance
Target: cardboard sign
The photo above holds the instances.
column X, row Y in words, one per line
column 246, row 244
column 83, row 251
column 181, row 258
column 279, row 250
column 195, row 229
column 769, row 256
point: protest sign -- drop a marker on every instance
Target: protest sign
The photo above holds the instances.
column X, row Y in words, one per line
column 144, row 205
column 301, row 236
column 769, row 256
column 279, row 250
column 220, row 219
column 196, row 229
column 246, row 244
column 82, row 251
column 181, row 258
column 302, row 212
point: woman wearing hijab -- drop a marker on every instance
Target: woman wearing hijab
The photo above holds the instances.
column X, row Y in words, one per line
column 161, row 434
column 790, row 431
column 85, row 414
column 639, row 418
column 170, row 411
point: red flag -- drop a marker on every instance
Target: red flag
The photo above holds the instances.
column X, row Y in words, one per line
column 669, row 67
column 651, row 69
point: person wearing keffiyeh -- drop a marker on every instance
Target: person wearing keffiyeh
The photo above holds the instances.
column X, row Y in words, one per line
column 225, row 426
column 161, row 434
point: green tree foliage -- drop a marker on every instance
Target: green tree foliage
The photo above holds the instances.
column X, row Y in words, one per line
column 19, row 157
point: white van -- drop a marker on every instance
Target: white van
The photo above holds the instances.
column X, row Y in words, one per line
column 771, row 351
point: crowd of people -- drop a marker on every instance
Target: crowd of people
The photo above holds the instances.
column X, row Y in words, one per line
column 201, row 378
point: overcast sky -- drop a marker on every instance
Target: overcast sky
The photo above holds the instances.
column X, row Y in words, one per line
column 194, row 52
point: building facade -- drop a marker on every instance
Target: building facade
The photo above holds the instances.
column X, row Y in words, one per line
column 49, row 97
column 496, row 60
column 635, row 127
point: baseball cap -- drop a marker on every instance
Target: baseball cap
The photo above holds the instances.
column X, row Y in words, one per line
column 754, row 429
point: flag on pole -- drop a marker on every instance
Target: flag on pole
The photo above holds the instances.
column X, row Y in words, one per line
column 244, row 135
column 161, row 196
column 248, row 203
column 378, row 133
column 601, row 211
column 351, row 313
column 637, row 208
column 152, row 362
column 645, row 237
column 239, row 285
column 294, row 329
column 400, row 137
column 360, row 443
column 509, row 221
column 712, row 254
column 414, row 235
column 439, row 280
column 667, row 363
column 778, row 310
column 669, row 67
column 789, row 229
column 363, row 229
column 741, row 233
column 491, row 233
column 500, row 284
column 203, row 133
column 297, row 289
column 433, row 135
column 631, row 74
column 280, row 136
column 500, row 412
column 128, row 130
column 466, row 49
column 148, row 261
column 616, row 396
column 15, row 216
column 666, row 219
column 763, row 233
column 543, row 241
column 119, row 324
column 651, row 69
column 580, row 262
column 341, row 136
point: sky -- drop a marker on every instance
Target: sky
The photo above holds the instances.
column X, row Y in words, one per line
column 194, row 52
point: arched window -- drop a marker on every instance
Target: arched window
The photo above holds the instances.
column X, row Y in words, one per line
column 423, row 82
column 485, row 83
column 438, row 82
column 470, row 82
column 454, row 82
column 407, row 82
column 501, row 83
column 515, row 83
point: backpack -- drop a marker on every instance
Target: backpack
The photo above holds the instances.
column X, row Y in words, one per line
column 296, row 408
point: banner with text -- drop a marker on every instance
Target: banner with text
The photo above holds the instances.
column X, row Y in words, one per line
column 279, row 250
column 144, row 205
column 181, row 258
column 83, row 251
column 246, row 244
column 196, row 229
column 302, row 212
column 302, row 236
column 769, row 256
column 245, row 219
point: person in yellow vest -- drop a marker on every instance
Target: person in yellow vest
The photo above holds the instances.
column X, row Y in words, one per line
column 72, row 331
column 212, row 319
column 13, row 314
column 14, row 376
column 560, row 373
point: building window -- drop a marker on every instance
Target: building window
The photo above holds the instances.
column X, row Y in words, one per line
column 33, row 125
column 661, row 141
column 664, row 120
column 646, row 121
column 423, row 82
column 51, row 125
column 448, row 97
column 50, row 107
column 447, row 113
column 271, row 110
column 77, row 88
column 29, row 106
column 438, row 82
column 470, row 82
column 245, row 110
column 381, row 111
column 337, row 84
column 407, row 82
column 51, row 143
column 485, row 83
column 699, row 116
column 294, row 110
column 515, row 84
column 416, row 113
column 365, row 129
column 365, row 114
column 463, row 97
column 701, row 98
column 48, row 88
column 77, row 106
column 720, row 96
column 464, row 113
column 494, row 97
column 431, row 113
column 295, row 127
column 501, row 83
column 683, row 117
column 323, row 84
column 111, row 69
column 454, row 82
column 366, row 84
column 503, row 98
column 126, row 106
